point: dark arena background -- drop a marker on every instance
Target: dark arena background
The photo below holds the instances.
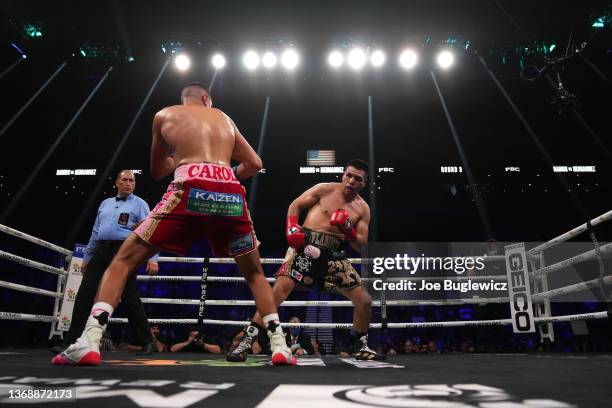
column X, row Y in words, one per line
column 483, row 121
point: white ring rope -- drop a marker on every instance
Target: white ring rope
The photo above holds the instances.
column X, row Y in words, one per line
column 566, row 318
column 23, row 235
column 27, row 317
column 241, row 280
column 593, row 283
column 331, row 303
column 570, row 234
column 30, row 289
column 32, row 264
column 194, row 279
column 268, row 261
column 417, row 302
column 459, row 323
column 585, row 256
column 264, row 261
column 537, row 273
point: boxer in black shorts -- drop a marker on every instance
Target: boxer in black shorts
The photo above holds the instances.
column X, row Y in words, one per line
column 336, row 215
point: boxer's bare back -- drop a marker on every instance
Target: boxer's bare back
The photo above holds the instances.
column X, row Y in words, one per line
column 194, row 133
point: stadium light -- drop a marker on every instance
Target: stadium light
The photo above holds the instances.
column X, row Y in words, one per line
column 251, row 60
column 377, row 58
column 218, row 61
column 356, row 58
column 290, row 59
column 269, row 60
column 182, row 62
column 408, row 59
column 445, row 59
column 335, row 59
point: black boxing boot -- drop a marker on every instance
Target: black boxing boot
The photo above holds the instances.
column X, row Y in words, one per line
column 239, row 354
column 363, row 351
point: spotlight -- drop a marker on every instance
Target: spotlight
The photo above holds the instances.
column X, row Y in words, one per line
column 251, row 60
column 356, row 58
column 377, row 58
column 269, row 60
column 335, row 59
column 290, row 59
column 445, row 59
column 218, row 61
column 182, row 62
column 408, row 59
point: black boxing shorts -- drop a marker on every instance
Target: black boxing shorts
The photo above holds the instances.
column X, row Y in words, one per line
column 330, row 272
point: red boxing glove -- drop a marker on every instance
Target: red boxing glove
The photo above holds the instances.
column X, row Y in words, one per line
column 341, row 220
column 295, row 235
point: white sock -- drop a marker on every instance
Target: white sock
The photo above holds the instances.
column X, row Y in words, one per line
column 100, row 307
column 272, row 318
column 95, row 327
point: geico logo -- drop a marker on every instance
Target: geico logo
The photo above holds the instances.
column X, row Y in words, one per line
column 520, row 304
column 516, row 262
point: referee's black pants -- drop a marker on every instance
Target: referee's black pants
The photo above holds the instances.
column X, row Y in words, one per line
column 103, row 254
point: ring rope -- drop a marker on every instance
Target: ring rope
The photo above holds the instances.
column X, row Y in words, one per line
column 585, row 256
column 241, row 280
column 566, row 318
column 267, row 261
column 331, row 303
column 459, row 323
column 572, row 288
column 570, row 234
column 43, row 243
column 30, row 289
column 33, row 264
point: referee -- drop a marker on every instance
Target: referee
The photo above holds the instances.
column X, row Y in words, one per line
column 116, row 218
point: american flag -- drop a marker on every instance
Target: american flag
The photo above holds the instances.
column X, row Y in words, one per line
column 320, row 157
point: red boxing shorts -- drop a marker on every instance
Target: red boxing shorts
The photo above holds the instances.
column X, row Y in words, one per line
column 204, row 200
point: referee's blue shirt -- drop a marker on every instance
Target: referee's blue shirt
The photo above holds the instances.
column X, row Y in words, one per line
column 115, row 219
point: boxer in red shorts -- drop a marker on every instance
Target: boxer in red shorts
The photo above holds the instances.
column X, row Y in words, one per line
column 205, row 199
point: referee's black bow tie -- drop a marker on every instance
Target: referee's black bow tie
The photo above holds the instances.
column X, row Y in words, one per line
column 121, row 198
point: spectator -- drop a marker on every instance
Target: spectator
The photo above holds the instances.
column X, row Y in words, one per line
column 160, row 343
column 298, row 341
column 197, row 343
column 409, row 347
column 432, row 348
column 316, row 347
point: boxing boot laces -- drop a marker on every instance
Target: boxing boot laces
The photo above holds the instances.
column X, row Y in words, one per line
column 239, row 354
column 364, row 352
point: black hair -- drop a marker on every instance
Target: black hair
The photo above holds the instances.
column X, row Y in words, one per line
column 359, row 165
column 191, row 88
column 121, row 171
